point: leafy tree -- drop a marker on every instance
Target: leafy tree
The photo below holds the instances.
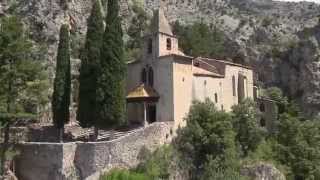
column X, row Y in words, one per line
column 246, row 123
column 136, row 30
column 299, row 146
column 297, row 143
column 156, row 165
column 112, row 72
column 200, row 40
column 89, row 67
column 23, row 81
column 62, row 83
column 118, row 174
column 208, row 137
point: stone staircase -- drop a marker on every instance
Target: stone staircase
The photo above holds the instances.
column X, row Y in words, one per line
column 75, row 132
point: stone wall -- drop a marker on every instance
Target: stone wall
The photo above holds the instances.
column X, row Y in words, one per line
column 79, row 160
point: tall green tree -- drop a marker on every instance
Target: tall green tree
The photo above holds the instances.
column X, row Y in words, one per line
column 89, row 67
column 207, row 143
column 246, row 123
column 62, row 83
column 23, row 81
column 112, row 72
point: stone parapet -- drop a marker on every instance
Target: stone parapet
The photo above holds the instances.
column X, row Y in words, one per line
column 87, row 160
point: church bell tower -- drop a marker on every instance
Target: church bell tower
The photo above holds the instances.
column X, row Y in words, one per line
column 160, row 41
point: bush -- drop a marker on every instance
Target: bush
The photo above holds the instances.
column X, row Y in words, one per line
column 156, row 165
column 249, row 133
column 208, row 139
column 120, row 174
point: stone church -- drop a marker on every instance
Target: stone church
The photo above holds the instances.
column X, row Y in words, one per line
column 163, row 83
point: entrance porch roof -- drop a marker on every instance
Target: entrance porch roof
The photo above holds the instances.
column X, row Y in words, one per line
column 143, row 93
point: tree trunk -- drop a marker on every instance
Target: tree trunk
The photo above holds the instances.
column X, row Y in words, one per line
column 10, row 100
column 5, row 149
column 95, row 134
column 60, row 134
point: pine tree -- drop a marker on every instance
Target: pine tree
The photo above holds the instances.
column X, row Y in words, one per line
column 89, row 64
column 23, row 81
column 111, row 80
column 62, row 83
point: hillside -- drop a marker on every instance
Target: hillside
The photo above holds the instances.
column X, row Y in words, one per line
column 279, row 39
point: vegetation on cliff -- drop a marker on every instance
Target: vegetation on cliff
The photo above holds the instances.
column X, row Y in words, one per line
column 24, row 83
column 62, row 83
column 199, row 39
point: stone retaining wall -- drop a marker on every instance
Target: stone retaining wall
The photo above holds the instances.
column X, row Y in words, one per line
column 86, row 161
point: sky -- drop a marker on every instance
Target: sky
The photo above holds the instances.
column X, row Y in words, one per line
column 317, row 1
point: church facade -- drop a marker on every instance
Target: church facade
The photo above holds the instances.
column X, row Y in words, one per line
column 164, row 83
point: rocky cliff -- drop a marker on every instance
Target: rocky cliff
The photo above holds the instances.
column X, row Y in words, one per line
column 279, row 39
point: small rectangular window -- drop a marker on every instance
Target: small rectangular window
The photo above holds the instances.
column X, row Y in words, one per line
column 234, row 86
column 169, row 44
column 150, row 46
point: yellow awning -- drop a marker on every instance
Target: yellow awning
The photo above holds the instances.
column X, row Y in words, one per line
column 142, row 93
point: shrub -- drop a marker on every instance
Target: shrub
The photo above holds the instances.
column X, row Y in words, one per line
column 208, row 139
column 156, row 165
column 121, row 174
column 249, row 133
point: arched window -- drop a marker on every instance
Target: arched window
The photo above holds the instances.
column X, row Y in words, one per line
column 216, row 97
column 150, row 77
column 144, row 75
column 169, row 44
column 150, row 46
column 263, row 122
column 234, row 86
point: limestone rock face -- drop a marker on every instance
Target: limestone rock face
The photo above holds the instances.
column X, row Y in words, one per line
column 301, row 71
column 262, row 171
column 257, row 30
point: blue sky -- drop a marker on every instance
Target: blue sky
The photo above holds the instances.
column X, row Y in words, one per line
column 317, row 1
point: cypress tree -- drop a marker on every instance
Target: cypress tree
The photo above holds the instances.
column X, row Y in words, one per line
column 62, row 83
column 89, row 64
column 111, row 80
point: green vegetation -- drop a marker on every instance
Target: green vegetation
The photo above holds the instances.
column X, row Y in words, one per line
column 153, row 166
column 89, row 67
column 119, row 174
column 207, row 143
column 215, row 144
column 136, row 30
column 266, row 22
column 112, row 71
column 200, row 40
column 247, row 126
column 23, row 81
column 156, row 165
column 62, row 83
column 296, row 144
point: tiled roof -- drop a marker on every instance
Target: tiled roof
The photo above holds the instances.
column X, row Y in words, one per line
column 202, row 72
column 210, row 61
